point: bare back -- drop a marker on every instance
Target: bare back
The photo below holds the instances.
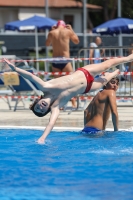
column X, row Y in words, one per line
column 59, row 38
column 98, row 111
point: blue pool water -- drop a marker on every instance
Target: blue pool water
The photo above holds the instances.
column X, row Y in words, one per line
column 70, row 166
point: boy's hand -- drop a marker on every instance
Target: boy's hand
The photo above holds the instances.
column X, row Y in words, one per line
column 40, row 140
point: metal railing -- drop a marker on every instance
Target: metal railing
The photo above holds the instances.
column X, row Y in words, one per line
column 126, row 78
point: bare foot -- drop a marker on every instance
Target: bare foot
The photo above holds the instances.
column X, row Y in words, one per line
column 108, row 76
column 11, row 65
column 73, row 102
column 116, row 72
column 112, row 74
column 74, row 106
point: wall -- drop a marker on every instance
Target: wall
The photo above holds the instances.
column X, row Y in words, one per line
column 26, row 12
column 7, row 15
column 77, row 18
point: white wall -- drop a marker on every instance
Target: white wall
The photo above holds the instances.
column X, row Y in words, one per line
column 59, row 14
column 54, row 14
column 12, row 14
column 7, row 15
column 24, row 13
column 77, row 18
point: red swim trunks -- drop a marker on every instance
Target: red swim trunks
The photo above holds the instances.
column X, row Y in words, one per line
column 89, row 79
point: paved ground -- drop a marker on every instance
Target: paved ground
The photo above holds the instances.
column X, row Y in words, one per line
column 66, row 119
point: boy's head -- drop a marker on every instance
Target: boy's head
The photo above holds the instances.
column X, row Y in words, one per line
column 112, row 84
column 40, row 107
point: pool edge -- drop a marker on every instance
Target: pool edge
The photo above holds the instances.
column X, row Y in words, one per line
column 55, row 128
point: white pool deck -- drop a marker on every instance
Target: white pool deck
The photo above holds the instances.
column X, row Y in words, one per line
column 25, row 118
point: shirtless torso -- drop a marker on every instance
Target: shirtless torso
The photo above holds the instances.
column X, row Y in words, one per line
column 103, row 104
column 59, row 37
column 66, row 87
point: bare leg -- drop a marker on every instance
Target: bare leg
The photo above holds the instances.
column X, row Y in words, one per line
column 101, row 81
column 54, row 69
column 74, row 105
column 96, row 69
column 68, row 68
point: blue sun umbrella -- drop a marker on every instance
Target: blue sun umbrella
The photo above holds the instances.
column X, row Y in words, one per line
column 115, row 26
column 33, row 23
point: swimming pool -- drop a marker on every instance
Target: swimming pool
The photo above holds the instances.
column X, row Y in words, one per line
column 69, row 166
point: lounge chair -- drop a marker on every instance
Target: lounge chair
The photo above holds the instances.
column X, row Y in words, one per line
column 5, row 93
column 25, row 88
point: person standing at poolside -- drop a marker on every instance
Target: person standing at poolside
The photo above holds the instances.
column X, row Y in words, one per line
column 95, row 53
column 98, row 111
column 57, row 92
column 59, row 37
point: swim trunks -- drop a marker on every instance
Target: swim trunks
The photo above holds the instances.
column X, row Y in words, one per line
column 59, row 65
column 89, row 79
column 91, row 129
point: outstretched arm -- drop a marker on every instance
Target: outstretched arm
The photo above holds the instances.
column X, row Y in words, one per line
column 74, row 38
column 39, row 82
column 85, row 116
column 48, row 40
column 113, row 107
column 87, row 113
column 54, row 115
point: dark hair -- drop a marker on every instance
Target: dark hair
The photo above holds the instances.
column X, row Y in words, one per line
column 32, row 106
column 115, row 78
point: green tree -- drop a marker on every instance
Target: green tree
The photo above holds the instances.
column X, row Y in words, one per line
column 109, row 11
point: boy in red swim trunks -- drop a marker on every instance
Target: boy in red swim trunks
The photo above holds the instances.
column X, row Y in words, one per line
column 57, row 92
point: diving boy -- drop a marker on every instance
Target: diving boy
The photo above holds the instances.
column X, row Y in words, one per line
column 57, row 92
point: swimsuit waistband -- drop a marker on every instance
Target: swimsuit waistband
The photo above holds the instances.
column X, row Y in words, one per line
column 91, row 129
